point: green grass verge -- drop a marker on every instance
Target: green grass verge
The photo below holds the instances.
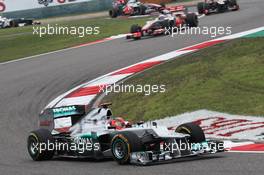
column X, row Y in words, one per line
column 20, row 42
column 228, row 77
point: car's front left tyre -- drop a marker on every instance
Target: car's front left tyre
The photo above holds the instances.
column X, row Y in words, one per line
column 123, row 144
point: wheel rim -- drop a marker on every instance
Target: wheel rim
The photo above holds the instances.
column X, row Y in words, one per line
column 33, row 147
column 119, row 149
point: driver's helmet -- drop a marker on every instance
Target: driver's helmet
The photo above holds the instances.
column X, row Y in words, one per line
column 118, row 123
column 161, row 17
column 131, row 1
column 166, row 12
column 121, row 1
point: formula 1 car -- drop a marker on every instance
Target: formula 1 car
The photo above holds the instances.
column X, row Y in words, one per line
column 133, row 7
column 164, row 24
column 217, row 6
column 16, row 22
column 71, row 131
column 4, row 22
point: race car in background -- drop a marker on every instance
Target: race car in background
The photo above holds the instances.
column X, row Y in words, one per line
column 113, row 137
column 16, row 22
column 166, row 23
column 4, row 22
column 217, row 6
column 133, row 7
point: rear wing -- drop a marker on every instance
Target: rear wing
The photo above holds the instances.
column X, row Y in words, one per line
column 61, row 118
column 178, row 8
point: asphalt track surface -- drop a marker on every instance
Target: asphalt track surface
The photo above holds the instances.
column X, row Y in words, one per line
column 27, row 86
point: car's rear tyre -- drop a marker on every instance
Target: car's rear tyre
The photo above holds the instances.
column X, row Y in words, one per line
column 222, row 8
column 195, row 131
column 35, row 140
column 192, row 20
column 113, row 13
column 13, row 23
column 123, row 144
column 135, row 29
column 233, row 4
column 201, row 7
column 28, row 22
column 140, row 10
column 170, row 27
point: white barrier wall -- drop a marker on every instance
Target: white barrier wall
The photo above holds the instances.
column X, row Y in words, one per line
column 17, row 5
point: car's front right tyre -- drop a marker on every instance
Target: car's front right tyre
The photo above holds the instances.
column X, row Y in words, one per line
column 195, row 131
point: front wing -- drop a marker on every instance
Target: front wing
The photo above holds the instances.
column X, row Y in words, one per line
column 162, row 156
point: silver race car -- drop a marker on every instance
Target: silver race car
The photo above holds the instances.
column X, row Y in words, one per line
column 72, row 131
column 16, row 22
column 169, row 20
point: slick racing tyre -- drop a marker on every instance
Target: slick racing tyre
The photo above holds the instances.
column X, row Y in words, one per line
column 27, row 22
column 170, row 26
column 192, row 20
column 222, row 8
column 14, row 23
column 35, row 143
column 113, row 13
column 123, row 144
column 140, row 10
column 201, row 7
column 135, row 29
column 233, row 4
column 195, row 131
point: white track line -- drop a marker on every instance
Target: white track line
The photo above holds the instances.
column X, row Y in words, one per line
column 163, row 57
column 253, row 152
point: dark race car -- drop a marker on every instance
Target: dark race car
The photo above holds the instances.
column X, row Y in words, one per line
column 72, row 131
column 16, row 22
column 133, row 7
column 217, row 6
column 168, row 21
